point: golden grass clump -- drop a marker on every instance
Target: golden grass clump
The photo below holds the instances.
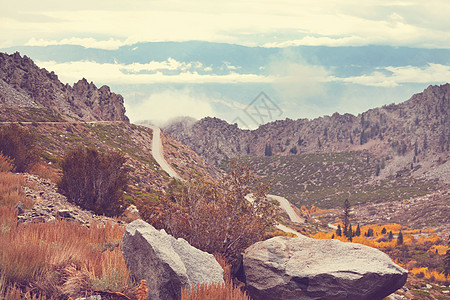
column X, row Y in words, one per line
column 214, row 291
column 11, row 190
column 86, row 259
column 6, row 163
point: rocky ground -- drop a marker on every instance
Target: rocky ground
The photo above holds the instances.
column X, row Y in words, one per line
column 49, row 205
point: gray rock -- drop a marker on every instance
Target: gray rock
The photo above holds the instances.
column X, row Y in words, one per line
column 166, row 263
column 306, row 268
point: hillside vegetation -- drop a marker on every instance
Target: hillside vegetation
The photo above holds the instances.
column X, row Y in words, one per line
column 326, row 179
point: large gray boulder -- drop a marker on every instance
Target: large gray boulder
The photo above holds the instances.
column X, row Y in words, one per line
column 166, row 263
column 306, row 268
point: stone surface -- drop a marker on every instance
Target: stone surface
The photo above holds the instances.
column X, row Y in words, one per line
column 306, row 268
column 166, row 263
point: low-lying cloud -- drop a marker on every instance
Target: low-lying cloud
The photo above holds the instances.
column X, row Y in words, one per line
column 150, row 73
column 162, row 106
column 395, row 76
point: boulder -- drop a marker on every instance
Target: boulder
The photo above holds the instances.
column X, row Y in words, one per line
column 306, row 268
column 166, row 263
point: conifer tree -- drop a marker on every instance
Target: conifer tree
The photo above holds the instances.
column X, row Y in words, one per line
column 400, row 238
column 391, row 236
column 346, row 216
column 383, row 231
column 358, row 231
column 339, row 230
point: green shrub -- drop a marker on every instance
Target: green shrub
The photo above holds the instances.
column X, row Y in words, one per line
column 94, row 180
column 19, row 144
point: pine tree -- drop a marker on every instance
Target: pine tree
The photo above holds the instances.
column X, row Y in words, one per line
column 332, row 237
column 268, row 150
column 400, row 238
column 391, row 236
column 339, row 230
column 383, row 231
column 447, row 263
column 346, row 216
column 358, row 231
column 349, row 232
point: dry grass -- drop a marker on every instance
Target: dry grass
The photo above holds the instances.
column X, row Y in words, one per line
column 225, row 266
column 214, row 291
column 6, row 164
column 11, row 191
column 30, row 253
column 45, row 171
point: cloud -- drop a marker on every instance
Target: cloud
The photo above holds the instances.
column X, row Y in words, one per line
column 163, row 106
column 395, row 76
column 309, row 22
column 296, row 79
column 110, row 44
column 319, row 41
column 153, row 72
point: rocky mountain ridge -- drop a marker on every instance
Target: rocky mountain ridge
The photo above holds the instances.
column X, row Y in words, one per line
column 415, row 130
column 24, row 84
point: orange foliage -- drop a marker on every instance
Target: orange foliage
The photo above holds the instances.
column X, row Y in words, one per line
column 430, row 274
column 282, row 233
column 304, row 209
column 142, row 290
column 441, row 249
column 433, row 239
column 408, row 239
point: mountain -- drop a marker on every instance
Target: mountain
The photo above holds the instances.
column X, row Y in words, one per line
column 419, row 126
column 63, row 117
column 23, row 84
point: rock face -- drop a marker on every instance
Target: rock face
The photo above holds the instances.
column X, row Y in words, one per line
column 24, row 84
column 305, row 268
column 166, row 263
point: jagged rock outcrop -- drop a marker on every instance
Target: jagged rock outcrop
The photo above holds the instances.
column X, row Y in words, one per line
column 23, row 84
column 166, row 263
column 306, row 268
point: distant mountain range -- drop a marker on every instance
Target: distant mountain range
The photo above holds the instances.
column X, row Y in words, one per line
column 406, row 133
column 222, row 79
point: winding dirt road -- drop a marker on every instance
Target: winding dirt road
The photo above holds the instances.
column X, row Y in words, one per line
column 157, row 152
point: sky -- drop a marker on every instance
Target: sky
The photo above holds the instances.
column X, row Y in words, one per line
column 310, row 58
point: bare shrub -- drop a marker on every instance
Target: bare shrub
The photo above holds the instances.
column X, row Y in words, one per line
column 215, row 216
